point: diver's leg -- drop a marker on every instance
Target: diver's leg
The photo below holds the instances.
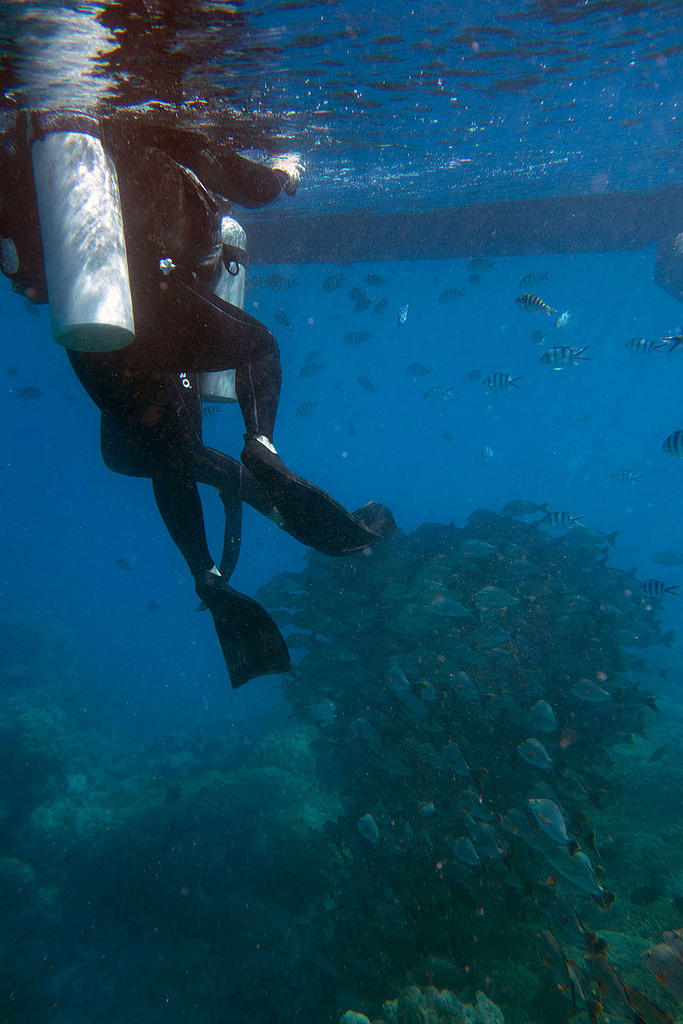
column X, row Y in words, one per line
column 258, row 379
column 236, row 340
column 234, row 484
column 251, row 642
column 228, row 476
column 162, row 418
column 180, row 507
column 223, row 337
column 196, row 331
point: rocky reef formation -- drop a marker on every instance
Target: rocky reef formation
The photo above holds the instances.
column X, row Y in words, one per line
column 464, row 818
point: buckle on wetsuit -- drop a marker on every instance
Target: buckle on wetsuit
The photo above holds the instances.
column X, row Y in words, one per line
column 233, row 256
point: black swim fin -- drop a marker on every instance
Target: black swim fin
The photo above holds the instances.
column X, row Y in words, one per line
column 306, row 511
column 378, row 518
column 252, row 644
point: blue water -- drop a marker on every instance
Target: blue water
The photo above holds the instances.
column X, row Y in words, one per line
column 557, row 437
column 122, row 901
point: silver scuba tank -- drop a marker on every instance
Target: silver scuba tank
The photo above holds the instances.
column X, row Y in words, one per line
column 84, row 248
column 220, row 386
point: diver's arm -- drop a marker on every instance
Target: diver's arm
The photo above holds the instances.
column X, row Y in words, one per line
column 217, row 165
column 244, row 181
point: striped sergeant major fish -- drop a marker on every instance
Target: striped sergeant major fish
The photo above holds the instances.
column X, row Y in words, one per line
column 656, row 588
column 673, row 445
column 534, row 304
column 560, row 520
column 562, row 356
column 672, row 340
column 500, row 381
column 439, row 394
column 449, row 294
column 626, row 476
column 644, row 346
column 306, row 408
column 535, row 277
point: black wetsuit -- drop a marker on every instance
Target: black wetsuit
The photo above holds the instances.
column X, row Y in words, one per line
column 175, row 184
column 151, row 421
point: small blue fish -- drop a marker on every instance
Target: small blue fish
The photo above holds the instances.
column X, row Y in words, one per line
column 562, row 356
column 282, row 319
column 542, row 717
column 626, row 476
column 549, row 816
column 535, row 277
column 450, row 294
column 311, row 369
column 645, row 345
column 534, row 304
column 578, row 870
column 533, row 752
column 330, row 284
column 357, row 337
column 367, row 826
column 673, row 445
column 589, row 692
column 419, row 370
column 656, row 588
column 439, row 394
column 500, row 381
column 464, row 851
column 28, row 393
column 559, row 520
column 455, row 759
column 487, row 843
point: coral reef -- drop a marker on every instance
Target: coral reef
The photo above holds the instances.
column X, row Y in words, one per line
column 395, row 852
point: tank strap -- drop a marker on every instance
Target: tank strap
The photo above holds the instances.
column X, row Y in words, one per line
column 41, row 122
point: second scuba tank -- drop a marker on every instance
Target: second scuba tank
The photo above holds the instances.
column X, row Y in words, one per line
column 220, row 386
column 84, row 247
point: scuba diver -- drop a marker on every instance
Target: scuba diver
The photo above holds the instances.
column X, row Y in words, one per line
column 116, row 221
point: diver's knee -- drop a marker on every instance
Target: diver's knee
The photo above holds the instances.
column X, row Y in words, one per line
column 268, row 348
